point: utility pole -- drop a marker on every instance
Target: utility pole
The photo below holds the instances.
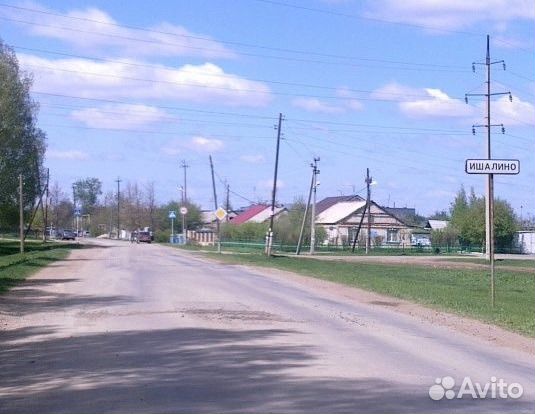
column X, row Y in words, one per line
column 216, row 206
column 185, row 190
column 367, row 208
column 46, row 203
column 315, row 173
column 227, row 204
column 118, row 181
column 21, row 215
column 368, row 204
column 73, row 207
column 302, row 231
column 489, row 200
column 269, row 237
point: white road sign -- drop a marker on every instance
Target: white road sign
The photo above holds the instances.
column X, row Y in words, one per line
column 507, row 167
column 183, row 211
column 172, row 215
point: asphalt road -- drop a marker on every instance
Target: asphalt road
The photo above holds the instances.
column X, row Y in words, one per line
column 126, row 328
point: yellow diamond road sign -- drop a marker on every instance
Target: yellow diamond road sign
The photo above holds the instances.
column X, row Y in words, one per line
column 220, row 213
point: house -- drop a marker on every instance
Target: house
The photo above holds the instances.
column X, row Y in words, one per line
column 209, row 220
column 436, row 224
column 340, row 217
column 257, row 213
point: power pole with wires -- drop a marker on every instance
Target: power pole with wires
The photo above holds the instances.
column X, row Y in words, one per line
column 489, row 199
column 118, row 181
column 185, row 188
column 21, row 214
column 302, row 231
column 45, row 209
column 216, row 206
column 269, row 236
column 368, row 204
column 315, row 173
column 227, row 203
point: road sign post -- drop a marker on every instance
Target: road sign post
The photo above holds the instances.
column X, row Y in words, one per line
column 172, row 216
column 183, row 212
column 492, row 167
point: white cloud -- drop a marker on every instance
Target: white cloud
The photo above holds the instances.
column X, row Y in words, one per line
column 204, row 144
column 438, row 105
column 173, row 147
column 94, row 29
column 268, row 184
column 69, row 155
column 423, row 103
column 119, row 116
column 517, row 112
column 253, row 159
column 347, row 102
column 129, row 79
column 451, row 14
column 316, row 105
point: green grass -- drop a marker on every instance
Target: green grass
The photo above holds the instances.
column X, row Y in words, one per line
column 499, row 263
column 15, row 267
column 462, row 291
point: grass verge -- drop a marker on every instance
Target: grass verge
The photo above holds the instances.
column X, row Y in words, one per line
column 15, row 267
column 461, row 291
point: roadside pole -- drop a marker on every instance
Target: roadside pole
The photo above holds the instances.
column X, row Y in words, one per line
column 21, row 215
column 313, row 207
column 269, row 236
column 301, row 232
column 489, row 200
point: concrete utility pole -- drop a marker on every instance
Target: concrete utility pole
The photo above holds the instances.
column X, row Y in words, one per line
column 269, row 237
column 21, row 215
column 489, row 200
column 185, row 188
column 73, row 207
column 315, row 173
column 118, row 181
column 368, row 204
column 302, row 231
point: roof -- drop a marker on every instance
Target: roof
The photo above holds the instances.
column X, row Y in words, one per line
column 436, row 224
column 331, row 201
column 249, row 213
column 265, row 214
column 339, row 211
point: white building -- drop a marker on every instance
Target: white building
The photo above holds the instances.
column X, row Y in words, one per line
column 525, row 241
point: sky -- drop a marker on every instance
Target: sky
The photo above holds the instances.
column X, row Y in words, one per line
column 132, row 89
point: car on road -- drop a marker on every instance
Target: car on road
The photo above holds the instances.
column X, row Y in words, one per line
column 68, row 235
column 144, row 237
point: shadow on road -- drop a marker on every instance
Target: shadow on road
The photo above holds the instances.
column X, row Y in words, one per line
column 193, row 370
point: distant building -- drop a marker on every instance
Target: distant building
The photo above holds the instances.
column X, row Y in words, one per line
column 525, row 241
column 257, row 213
column 340, row 217
column 436, row 224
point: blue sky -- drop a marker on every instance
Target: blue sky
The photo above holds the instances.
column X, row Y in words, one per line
column 132, row 89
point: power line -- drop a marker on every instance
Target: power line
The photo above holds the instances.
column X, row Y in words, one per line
column 207, row 39
column 223, row 76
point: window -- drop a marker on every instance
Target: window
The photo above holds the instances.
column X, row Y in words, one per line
column 392, row 236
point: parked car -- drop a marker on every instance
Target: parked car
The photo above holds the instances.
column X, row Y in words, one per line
column 68, row 235
column 144, row 237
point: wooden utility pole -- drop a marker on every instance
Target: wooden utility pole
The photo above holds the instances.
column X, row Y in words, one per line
column 21, row 215
column 269, row 237
column 227, row 204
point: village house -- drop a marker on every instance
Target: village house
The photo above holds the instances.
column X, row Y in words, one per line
column 340, row 217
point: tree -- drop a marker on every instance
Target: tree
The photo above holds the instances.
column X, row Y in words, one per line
column 87, row 192
column 468, row 219
column 22, row 143
column 439, row 215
